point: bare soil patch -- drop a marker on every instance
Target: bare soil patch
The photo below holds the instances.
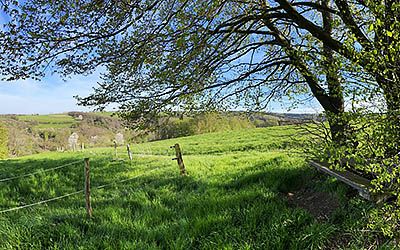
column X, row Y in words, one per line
column 320, row 204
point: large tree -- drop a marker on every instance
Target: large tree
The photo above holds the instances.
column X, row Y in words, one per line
column 164, row 54
column 373, row 43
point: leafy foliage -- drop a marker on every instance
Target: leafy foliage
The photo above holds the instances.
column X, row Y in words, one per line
column 369, row 152
column 166, row 55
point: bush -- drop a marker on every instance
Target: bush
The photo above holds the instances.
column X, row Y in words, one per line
column 173, row 127
column 199, row 124
column 217, row 122
column 3, row 142
column 372, row 150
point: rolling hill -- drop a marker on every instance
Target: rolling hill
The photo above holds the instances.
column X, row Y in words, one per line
column 246, row 189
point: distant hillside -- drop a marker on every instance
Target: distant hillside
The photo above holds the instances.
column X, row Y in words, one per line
column 29, row 134
column 297, row 117
column 48, row 121
column 263, row 119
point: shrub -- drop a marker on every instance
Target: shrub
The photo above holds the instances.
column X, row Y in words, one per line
column 172, row 127
column 371, row 149
column 216, row 122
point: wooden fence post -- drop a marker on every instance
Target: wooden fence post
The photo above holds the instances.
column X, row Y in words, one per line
column 115, row 149
column 179, row 159
column 128, row 148
column 87, row 188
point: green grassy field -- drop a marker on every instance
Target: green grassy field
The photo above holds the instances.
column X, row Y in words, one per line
column 55, row 120
column 237, row 196
column 50, row 121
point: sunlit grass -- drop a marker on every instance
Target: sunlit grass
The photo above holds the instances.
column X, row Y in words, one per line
column 233, row 198
column 49, row 121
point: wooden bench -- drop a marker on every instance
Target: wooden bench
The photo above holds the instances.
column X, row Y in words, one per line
column 361, row 184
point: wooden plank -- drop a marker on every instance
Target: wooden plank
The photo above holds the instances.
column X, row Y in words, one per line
column 355, row 181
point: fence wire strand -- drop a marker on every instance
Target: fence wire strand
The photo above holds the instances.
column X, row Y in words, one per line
column 74, row 193
column 142, row 154
column 40, row 171
column 40, row 202
column 125, row 180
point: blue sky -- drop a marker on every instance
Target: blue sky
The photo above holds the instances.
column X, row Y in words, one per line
column 54, row 95
column 51, row 95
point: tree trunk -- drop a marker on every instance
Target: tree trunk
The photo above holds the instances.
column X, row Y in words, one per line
column 339, row 126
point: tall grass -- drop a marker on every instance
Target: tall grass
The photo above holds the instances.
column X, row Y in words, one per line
column 233, row 198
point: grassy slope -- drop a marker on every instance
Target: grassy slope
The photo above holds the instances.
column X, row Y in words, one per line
column 233, row 199
column 50, row 121
column 54, row 120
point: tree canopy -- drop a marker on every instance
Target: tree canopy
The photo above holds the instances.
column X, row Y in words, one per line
column 166, row 53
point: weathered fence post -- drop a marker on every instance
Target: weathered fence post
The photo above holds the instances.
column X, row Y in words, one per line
column 115, row 149
column 87, row 188
column 128, row 148
column 179, row 159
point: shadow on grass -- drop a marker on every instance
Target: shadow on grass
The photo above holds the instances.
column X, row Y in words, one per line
column 244, row 210
column 46, row 184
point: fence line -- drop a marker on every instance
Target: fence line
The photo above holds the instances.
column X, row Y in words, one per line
column 41, row 202
column 74, row 193
column 145, row 151
column 70, row 194
column 125, row 180
column 40, row 171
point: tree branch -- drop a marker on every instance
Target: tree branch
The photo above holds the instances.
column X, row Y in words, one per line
column 347, row 17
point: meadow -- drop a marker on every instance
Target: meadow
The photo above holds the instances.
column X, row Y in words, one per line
column 49, row 121
column 246, row 189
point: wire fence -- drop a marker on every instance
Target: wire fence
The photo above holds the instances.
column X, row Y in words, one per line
column 144, row 151
column 77, row 192
column 40, row 202
column 146, row 172
column 40, row 171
